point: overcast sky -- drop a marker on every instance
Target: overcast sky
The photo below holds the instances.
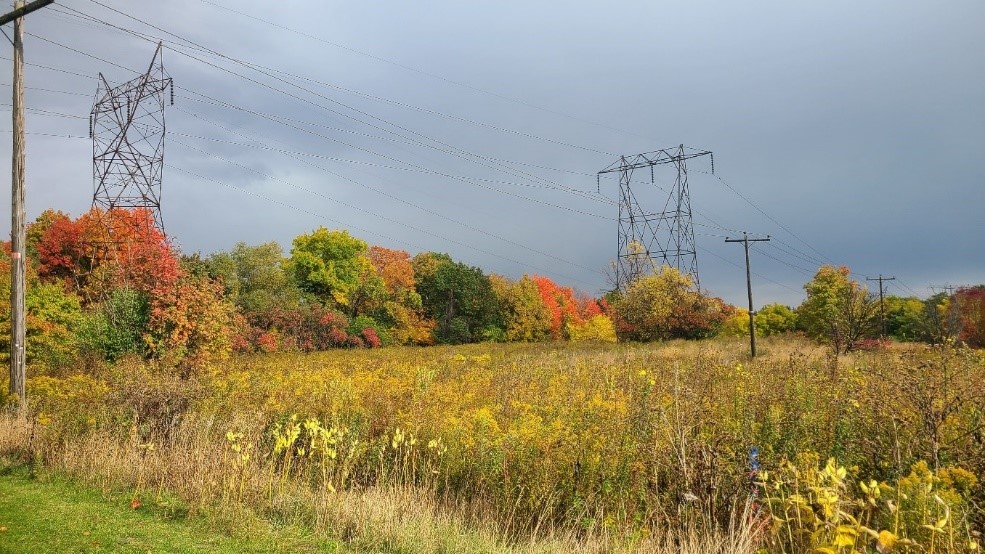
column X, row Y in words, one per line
column 851, row 132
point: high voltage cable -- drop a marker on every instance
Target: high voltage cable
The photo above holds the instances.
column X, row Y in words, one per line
column 266, row 147
column 391, row 158
column 47, row 134
column 267, row 72
column 793, row 252
column 208, row 100
column 513, row 243
column 422, row 72
column 287, row 205
column 286, row 120
column 377, row 98
column 905, row 286
column 460, row 153
column 59, row 70
column 786, row 263
column 391, row 196
column 761, row 276
column 427, row 210
column 357, row 208
column 49, row 90
column 442, row 114
column 40, row 111
column 763, row 212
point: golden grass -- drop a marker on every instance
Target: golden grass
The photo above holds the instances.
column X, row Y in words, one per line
column 496, row 448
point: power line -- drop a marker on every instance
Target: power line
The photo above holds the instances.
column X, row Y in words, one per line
column 349, row 206
column 460, row 152
column 49, row 90
column 347, row 90
column 370, row 212
column 763, row 212
column 466, row 179
column 425, row 73
column 54, row 135
column 444, row 147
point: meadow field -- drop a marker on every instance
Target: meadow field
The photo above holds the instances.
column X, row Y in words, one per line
column 537, row 447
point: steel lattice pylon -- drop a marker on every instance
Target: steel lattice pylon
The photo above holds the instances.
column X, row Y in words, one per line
column 650, row 239
column 127, row 129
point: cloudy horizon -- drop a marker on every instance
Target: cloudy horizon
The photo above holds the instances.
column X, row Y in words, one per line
column 851, row 134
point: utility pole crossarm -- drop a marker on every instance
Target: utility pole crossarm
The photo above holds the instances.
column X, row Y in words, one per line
column 745, row 240
column 882, row 305
column 24, row 10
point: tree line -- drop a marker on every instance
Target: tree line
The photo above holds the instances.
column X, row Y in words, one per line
column 109, row 284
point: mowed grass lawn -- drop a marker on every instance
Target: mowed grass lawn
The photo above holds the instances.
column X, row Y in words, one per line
column 58, row 516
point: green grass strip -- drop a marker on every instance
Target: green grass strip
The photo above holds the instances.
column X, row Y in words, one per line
column 58, row 516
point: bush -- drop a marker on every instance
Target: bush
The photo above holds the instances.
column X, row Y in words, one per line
column 115, row 327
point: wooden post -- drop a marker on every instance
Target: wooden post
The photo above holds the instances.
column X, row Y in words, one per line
column 17, row 215
column 745, row 240
column 18, row 253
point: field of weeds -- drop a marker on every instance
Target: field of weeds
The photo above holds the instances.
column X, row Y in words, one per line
column 682, row 446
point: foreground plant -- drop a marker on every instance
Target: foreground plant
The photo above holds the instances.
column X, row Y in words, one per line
column 827, row 511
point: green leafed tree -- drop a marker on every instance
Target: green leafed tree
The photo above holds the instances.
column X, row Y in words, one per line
column 907, row 319
column 334, row 267
column 775, row 319
column 458, row 296
column 254, row 277
column 838, row 311
column 115, row 327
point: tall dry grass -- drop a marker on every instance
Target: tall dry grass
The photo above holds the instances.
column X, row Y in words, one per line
column 507, row 448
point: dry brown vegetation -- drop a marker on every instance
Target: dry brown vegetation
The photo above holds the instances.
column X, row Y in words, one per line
column 540, row 448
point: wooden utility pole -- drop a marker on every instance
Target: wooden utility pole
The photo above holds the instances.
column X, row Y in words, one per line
column 882, row 306
column 745, row 240
column 18, row 254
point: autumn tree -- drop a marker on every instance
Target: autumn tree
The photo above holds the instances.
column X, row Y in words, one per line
column 102, row 251
column 597, row 328
column 968, row 303
column 401, row 309
column 334, row 267
column 666, row 305
column 562, row 305
column 774, row 319
column 838, row 310
column 190, row 321
column 52, row 319
column 525, row 316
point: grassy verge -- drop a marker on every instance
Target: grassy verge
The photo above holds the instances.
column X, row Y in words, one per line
column 52, row 514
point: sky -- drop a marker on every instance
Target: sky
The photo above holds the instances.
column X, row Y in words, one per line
column 849, row 132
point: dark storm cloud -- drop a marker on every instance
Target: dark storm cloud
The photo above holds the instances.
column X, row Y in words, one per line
column 857, row 128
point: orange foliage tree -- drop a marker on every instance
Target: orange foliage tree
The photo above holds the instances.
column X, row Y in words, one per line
column 402, row 308
column 969, row 305
column 561, row 303
column 190, row 322
column 103, row 250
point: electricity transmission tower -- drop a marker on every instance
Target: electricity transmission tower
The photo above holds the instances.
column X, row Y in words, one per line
column 127, row 130
column 646, row 237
